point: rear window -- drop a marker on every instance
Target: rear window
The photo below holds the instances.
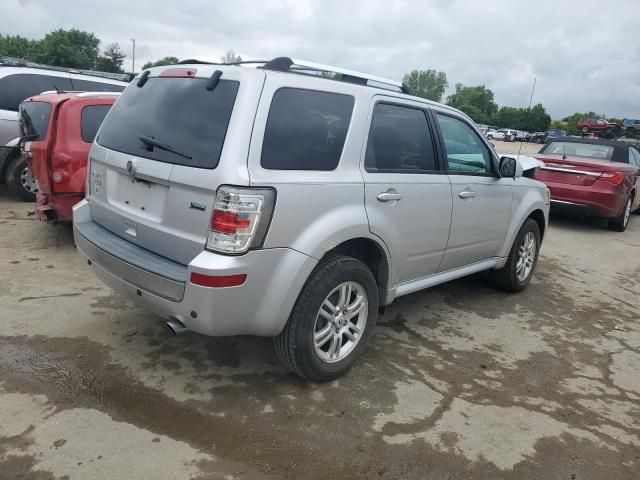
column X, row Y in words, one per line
column 305, row 130
column 34, row 120
column 91, row 119
column 178, row 112
column 588, row 150
column 20, row 86
column 88, row 86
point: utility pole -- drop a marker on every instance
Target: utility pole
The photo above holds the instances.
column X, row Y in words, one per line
column 133, row 56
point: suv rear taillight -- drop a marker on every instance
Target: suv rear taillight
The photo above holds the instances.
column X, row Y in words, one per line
column 240, row 219
column 613, row 177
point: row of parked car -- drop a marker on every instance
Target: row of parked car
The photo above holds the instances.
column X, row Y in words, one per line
column 512, row 135
column 277, row 202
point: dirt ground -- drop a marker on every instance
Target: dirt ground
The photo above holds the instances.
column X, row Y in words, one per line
column 460, row 382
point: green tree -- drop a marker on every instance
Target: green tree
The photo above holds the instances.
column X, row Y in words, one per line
column 537, row 119
column 161, row 63
column 477, row 102
column 111, row 59
column 428, row 84
column 18, row 47
column 68, row 48
column 558, row 125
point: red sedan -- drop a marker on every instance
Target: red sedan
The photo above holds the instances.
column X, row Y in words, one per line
column 592, row 177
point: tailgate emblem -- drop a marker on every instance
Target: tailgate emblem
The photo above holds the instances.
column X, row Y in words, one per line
column 198, row 206
column 131, row 169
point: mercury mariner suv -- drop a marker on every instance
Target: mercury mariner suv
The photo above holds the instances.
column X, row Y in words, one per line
column 289, row 202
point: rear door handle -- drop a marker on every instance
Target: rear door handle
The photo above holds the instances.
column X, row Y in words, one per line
column 389, row 196
column 467, row 194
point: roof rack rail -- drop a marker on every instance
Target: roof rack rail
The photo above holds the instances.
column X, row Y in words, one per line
column 286, row 64
column 19, row 62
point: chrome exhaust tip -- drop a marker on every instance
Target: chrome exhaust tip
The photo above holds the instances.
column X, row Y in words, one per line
column 176, row 327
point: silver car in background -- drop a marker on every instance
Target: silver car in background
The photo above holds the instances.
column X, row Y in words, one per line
column 276, row 202
column 20, row 80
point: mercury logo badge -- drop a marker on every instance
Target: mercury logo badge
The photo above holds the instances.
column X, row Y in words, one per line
column 131, row 169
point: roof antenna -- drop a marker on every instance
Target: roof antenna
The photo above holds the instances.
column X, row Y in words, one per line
column 528, row 112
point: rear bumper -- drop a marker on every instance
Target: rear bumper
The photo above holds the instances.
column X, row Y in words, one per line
column 261, row 306
column 57, row 208
column 586, row 200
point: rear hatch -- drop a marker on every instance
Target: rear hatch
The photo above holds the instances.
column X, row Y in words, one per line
column 158, row 192
column 34, row 118
column 572, row 170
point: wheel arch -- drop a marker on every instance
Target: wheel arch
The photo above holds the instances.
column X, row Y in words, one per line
column 372, row 254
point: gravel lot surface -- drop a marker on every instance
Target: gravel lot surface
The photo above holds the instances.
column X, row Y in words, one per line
column 460, row 382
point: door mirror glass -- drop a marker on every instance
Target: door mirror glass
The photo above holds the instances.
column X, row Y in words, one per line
column 508, row 167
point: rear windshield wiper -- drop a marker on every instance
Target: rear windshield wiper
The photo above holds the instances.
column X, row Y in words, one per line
column 151, row 142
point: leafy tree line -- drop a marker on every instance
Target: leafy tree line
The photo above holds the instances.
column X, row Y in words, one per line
column 477, row 102
column 65, row 48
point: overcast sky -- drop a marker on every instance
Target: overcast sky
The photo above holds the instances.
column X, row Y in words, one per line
column 585, row 54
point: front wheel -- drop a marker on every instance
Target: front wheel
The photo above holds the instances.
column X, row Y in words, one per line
column 619, row 224
column 20, row 180
column 331, row 322
column 522, row 260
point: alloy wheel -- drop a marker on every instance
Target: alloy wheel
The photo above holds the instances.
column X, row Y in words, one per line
column 340, row 322
column 28, row 182
column 526, row 256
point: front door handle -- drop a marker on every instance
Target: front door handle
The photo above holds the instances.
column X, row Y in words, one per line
column 467, row 194
column 389, row 196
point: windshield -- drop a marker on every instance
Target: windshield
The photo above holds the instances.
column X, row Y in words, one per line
column 176, row 112
column 588, row 150
column 34, row 120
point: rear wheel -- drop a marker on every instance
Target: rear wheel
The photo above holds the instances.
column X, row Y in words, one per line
column 522, row 260
column 331, row 322
column 20, row 180
column 619, row 224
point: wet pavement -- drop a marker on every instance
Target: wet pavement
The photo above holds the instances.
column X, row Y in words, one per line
column 461, row 381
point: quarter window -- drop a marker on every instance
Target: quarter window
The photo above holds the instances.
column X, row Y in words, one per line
column 88, row 86
column 633, row 153
column 399, row 141
column 20, row 86
column 466, row 153
column 305, row 130
column 91, row 119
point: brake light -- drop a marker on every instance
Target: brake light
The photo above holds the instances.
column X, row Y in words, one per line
column 240, row 219
column 613, row 177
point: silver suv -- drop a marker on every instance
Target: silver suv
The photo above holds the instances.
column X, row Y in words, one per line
column 288, row 202
column 20, row 80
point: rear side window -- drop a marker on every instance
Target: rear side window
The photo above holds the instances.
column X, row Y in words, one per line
column 20, row 86
column 90, row 120
column 34, row 120
column 177, row 112
column 399, row 141
column 87, row 86
column 306, row 130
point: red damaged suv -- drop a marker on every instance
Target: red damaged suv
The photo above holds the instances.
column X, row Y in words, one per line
column 57, row 130
column 592, row 177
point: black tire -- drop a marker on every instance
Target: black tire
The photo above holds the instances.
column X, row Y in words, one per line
column 539, row 140
column 295, row 347
column 25, row 192
column 620, row 223
column 489, row 137
column 506, row 278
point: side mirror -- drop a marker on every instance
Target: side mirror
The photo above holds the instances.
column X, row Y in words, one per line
column 510, row 168
column 492, row 144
